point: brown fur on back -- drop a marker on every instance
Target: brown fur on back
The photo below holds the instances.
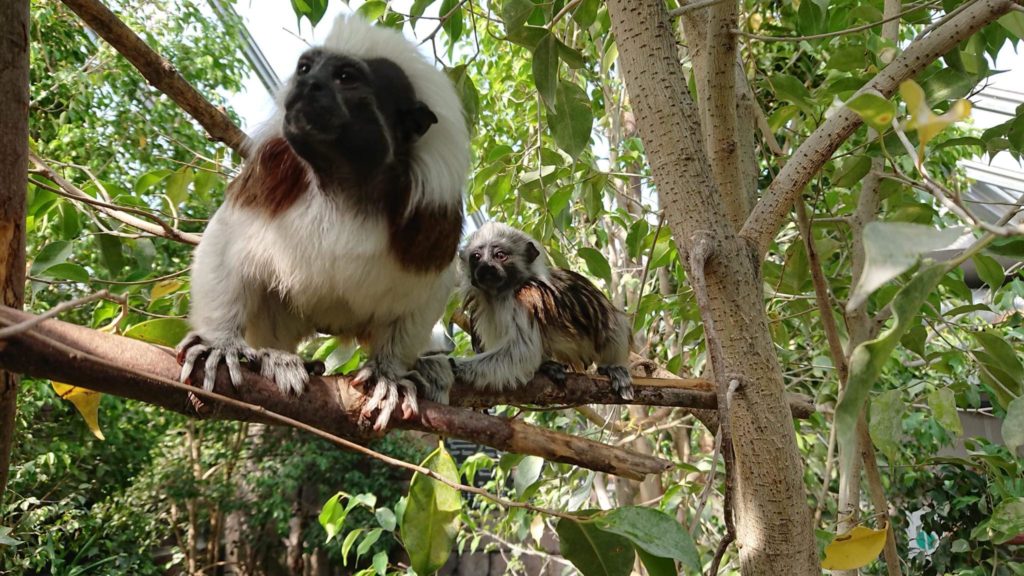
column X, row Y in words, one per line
column 569, row 295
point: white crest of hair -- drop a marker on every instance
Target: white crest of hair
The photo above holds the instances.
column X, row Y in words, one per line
column 441, row 157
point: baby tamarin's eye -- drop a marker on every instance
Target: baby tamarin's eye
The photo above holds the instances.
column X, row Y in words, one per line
column 500, row 256
column 474, row 257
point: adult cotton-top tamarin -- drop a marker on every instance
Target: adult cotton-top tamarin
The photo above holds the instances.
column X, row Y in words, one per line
column 345, row 220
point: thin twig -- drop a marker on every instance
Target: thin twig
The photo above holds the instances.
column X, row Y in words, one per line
column 57, row 310
column 709, row 484
column 677, row 12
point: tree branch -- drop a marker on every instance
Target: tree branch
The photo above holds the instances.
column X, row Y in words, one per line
column 146, row 372
column 160, row 73
column 818, row 148
column 120, row 213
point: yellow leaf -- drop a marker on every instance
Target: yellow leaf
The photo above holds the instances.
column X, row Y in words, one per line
column 163, row 288
column 537, row 528
column 87, row 402
column 926, row 122
column 854, row 549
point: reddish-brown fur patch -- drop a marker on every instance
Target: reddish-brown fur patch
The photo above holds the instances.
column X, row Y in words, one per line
column 427, row 240
column 273, row 180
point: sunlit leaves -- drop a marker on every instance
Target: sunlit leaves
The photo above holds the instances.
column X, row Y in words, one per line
column 468, row 93
column 854, row 549
column 515, row 13
column 163, row 331
column 430, row 521
column 1006, row 523
column 927, row 123
column 87, row 402
column 876, row 111
column 654, row 532
column 892, row 248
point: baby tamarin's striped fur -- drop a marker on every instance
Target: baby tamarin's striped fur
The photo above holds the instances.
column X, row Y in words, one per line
column 528, row 317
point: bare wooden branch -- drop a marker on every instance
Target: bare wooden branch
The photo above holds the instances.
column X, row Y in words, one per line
column 120, row 213
column 14, row 99
column 160, row 73
column 140, row 371
column 818, row 148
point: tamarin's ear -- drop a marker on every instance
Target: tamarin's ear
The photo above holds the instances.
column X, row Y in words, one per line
column 419, row 119
column 531, row 252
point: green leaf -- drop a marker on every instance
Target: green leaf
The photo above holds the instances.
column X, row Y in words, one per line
column 596, row 263
column 989, row 271
column 454, row 25
column 380, row 563
column 6, row 539
column 892, row 248
column 313, row 10
column 915, row 338
column 1014, row 22
column 545, row 69
column 177, row 185
column 586, row 13
column 111, row 253
column 572, row 119
column 948, row 84
column 942, row 401
column 572, row 58
column 654, row 532
column 52, row 254
column 851, row 171
column 867, row 359
column 66, row 271
column 151, row 179
column 163, row 331
column 430, row 521
column 876, row 111
column 467, row 93
column 886, row 423
column 790, row 89
column 332, row 516
column 515, row 13
column 593, row 551
column 526, row 473
column 368, row 541
column 386, row 518
column 346, row 546
column 1012, row 247
column 1007, row 520
column 1003, row 356
column 1013, row 425
column 658, row 566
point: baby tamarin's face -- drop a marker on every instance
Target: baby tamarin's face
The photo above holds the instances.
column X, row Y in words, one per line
column 499, row 259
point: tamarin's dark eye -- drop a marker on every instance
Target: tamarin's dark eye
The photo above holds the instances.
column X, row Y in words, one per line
column 500, row 256
column 303, row 68
column 346, row 77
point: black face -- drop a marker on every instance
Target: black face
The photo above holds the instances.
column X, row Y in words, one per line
column 354, row 115
column 496, row 268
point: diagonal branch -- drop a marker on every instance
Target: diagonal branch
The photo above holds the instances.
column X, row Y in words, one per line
column 817, row 149
column 123, row 214
column 160, row 73
column 146, row 372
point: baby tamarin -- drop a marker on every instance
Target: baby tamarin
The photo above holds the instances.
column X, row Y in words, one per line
column 528, row 317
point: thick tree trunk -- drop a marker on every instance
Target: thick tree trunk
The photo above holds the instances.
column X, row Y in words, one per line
column 774, row 531
column 14, row 18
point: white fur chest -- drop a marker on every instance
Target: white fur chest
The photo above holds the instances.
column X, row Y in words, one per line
column 332, row 265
